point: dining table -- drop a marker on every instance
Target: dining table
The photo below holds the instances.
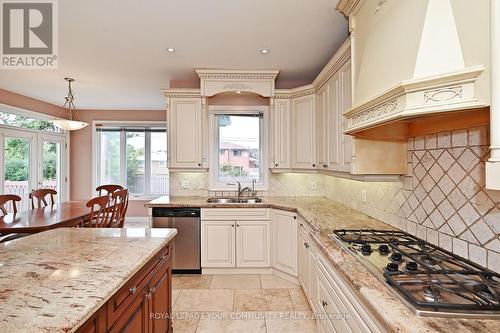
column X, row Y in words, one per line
column 63, row 214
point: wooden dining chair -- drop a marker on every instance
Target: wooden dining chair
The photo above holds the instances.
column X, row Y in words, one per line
column 39, row 196
column 100, row 214
column 6, row 198
column 119, row 202
column 109, row 188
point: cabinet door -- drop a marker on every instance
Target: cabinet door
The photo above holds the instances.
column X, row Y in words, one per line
column 334, row 124
column 346, row 103
column 136, row 318
column 160, row 301
column 303, row 132
column 217, row 244
column 322, row 130
column 253, row 244
column 304, row 262
column 280, row 135
column 285, row 242
column 185, row 133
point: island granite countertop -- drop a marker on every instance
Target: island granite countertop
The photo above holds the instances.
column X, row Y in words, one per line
column 324, row 215
column 55, row 280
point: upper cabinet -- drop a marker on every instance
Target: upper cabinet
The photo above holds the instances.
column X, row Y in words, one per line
column 185, row 136
column 280, row 123
column 303, row 132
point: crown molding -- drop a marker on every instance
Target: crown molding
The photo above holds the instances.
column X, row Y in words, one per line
column 349, row 7
column 340, row 57
column 224, row 74
column 182, row 92
column 306, row 90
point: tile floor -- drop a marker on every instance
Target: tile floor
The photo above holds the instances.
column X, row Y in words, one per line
column 239, row 303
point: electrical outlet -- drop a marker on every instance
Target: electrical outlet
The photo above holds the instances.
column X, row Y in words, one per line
column 185, row 184
column 313, row 186
column 363, row 196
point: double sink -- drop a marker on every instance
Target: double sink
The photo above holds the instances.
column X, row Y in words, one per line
column 234, row 200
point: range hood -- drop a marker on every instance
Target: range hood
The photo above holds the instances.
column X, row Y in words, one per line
column 416, row 58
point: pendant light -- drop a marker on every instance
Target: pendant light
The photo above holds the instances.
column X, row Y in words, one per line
column 69, row 124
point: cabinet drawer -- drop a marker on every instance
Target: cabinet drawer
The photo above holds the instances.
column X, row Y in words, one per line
column 356, row 319
column 233, row 214
column 126, row 295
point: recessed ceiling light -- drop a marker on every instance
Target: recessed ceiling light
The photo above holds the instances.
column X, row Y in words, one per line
column 171, row 50
column 264, row 51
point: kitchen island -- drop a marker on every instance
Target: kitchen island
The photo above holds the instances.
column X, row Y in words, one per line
column 86, row 280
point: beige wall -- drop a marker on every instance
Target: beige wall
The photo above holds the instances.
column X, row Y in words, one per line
column 81, row 152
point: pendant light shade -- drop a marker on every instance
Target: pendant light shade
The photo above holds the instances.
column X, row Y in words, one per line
column 69, row 124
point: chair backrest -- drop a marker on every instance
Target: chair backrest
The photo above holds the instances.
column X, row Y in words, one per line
column 5, row 198
column 39, row 196
column 119, row 200
column 109, row 188
column 100, row 214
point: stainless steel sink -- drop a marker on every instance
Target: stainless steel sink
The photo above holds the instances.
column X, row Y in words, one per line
column 233, row 200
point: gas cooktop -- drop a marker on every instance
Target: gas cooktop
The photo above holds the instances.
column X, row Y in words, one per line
column 430, row 280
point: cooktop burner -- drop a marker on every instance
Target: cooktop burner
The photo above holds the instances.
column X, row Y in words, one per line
column 430, row 280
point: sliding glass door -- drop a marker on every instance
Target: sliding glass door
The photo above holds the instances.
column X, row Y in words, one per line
column 31, row 160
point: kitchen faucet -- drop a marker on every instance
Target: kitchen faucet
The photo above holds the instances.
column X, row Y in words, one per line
column 247, row 188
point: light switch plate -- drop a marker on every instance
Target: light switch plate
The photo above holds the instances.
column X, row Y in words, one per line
column 363, row 196
column 313, row 186
column 185, row 184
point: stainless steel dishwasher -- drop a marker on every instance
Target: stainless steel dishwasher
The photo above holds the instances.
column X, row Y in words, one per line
column 186, row 255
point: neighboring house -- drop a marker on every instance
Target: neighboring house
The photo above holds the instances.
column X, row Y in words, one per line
column 236, row 155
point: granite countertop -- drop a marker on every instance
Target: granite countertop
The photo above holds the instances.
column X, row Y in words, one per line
column 325, row 215
column 55, row 280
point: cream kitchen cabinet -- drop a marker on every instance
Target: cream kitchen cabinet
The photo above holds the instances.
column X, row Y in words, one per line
column 235, row 238
column 184, row 123
column 335, row 149
column 218, row 244
column 284, row 241
column 303, row 132
column 253, row 244
column 304, row 270
column 280, row 134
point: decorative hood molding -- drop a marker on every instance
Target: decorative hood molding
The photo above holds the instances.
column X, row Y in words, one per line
column 419, row 97
column 216, row 81
column 416, row 58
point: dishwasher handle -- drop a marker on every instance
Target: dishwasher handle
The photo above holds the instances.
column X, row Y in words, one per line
column 176, row 212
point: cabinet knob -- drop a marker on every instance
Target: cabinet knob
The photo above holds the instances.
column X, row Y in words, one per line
column 314, row 165
column 232, row 225
column 324, row 303
column 295, row 217
column 237, row 225
column 133, row 290
column 276, row 165
column 325, row 166
column 301, row 224
column 306, row 245
column 199, row 164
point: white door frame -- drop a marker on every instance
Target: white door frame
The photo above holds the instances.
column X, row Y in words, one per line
column 36, row 138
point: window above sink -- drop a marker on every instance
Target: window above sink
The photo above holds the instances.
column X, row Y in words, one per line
column 237, row 147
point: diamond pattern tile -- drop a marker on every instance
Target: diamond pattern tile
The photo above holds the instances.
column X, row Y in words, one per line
column 468, row 214
column 482, row 232
column 468, row 160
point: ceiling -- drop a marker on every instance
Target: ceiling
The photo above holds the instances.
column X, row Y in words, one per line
column 116, row 49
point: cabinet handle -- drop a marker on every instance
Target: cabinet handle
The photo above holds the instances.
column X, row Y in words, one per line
column 133, row 290
column 324, row 303
column 325, row 166
column 306, row 245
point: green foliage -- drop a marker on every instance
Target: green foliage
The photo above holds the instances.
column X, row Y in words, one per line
column 16, row 159
column 231, row 170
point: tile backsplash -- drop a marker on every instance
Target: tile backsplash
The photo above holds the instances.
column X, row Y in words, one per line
column 442, row 200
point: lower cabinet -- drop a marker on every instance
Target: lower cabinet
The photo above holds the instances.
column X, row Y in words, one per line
column 304, row 261
column 142, row 305
column 284, row 241
column 236, row 244
column 218, row 247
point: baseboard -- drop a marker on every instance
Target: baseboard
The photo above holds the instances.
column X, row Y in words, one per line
column 238, row 270
column 285, row 276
